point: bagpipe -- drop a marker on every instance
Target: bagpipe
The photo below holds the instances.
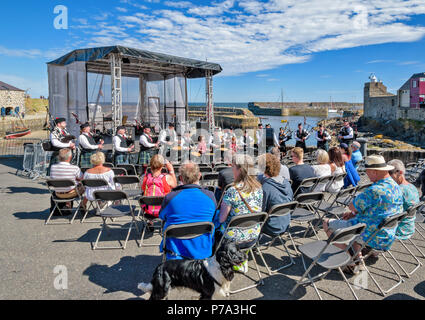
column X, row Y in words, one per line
column 97, row 137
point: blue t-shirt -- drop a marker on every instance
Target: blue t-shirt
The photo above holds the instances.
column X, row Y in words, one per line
column 356, row 157
column 188, row 204
column 406, row 227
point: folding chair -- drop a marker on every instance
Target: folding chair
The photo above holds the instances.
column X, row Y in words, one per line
column 108, row 165
column 185, row 231
column 322, row 183
column 345, row 199
column 63, row 183
column 210, row 188
column 247, row 221
column 306, row 210
column 209, row 179
column 307, row 183
column 278, row 211
column 334, row 208
column 337, row 179
column 326, row 255
column 149, row 201
column 92, row 183
column 205, row 169
column 119, row 171
column 222, row 195
column 114, row 211
column 361, row 188
column 131, row 169
column 411, row 214
column 388, row 223
column 134, row 192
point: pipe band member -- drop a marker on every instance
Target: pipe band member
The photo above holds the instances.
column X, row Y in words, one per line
column 147, row 146
column 323, row 138
column 346, row 134
column 121, row 146
column 87, row 145
column 283, row 138
column 60, row 139
column 168, row 139
column 301, row 135
column 271, row 139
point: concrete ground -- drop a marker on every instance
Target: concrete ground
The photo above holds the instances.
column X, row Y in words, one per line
column 31, row 251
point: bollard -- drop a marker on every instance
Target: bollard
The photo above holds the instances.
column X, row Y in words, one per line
column 363, row 146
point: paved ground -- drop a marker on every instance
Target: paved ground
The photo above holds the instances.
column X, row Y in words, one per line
column 30, row 251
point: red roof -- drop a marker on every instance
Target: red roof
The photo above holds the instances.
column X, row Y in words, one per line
column 5, row 86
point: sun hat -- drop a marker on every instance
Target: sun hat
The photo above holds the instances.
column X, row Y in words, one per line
column 377, row 162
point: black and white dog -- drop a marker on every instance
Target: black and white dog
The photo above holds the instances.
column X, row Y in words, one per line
column 204, row 276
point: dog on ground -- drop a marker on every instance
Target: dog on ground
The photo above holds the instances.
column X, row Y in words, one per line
column 206, row 277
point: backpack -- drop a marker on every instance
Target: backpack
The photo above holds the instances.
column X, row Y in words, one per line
column 154, row 187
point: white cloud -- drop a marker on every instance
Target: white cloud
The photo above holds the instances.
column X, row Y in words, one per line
column 120, row 9
column 178, row 4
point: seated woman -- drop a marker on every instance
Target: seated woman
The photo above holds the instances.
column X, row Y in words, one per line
column 352, row 177
column 323, row 169
column 99, row 172
column 337, row 167
column 158, row 184
column 245, row 196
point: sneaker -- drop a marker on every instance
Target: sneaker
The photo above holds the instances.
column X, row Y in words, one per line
column 243, row 268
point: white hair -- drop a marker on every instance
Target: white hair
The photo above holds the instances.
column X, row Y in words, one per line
column 398, row 165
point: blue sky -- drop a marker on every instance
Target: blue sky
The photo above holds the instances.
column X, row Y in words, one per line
column 311, row 49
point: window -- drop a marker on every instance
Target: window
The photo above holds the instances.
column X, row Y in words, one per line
column 414, row 85
column 422, row 79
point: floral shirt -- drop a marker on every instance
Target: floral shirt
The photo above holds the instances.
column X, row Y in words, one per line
column 406, row 227
column 232, row 198
column 382, row 199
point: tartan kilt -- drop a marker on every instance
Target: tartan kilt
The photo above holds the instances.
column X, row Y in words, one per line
column 121, row 159
column 145, row 156
column 85, row 159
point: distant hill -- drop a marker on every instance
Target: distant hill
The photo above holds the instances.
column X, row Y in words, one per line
column 33, row 106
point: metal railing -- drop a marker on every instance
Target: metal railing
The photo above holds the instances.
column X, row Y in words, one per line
column 14, row 148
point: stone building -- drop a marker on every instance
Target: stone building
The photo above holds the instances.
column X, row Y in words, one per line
column 408, row 103
column 11, row 98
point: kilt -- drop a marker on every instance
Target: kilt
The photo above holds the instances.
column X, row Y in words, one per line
column 121, row 159
column 146, row 156
column 85, row 159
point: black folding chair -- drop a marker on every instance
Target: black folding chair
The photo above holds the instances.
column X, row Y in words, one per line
column 131, row 169
column 306, row 210
column 149, row 201
column 114, row 211
column 326, row 255
column 322, row 183
column 119, row 171
column 209, row 179
column 308, row 183
column 108, row 165
column 388, row 223
column 411, row 214
column 361, row 188
column 205, row 169
column 334, row 208
column 92, row 183
column 130, row 185
column 338, row 178
column 185, row 232
column 247, row 221
column 276, row 212
column 53, row 184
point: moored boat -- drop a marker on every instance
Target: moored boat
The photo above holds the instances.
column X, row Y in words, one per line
column 17, row 134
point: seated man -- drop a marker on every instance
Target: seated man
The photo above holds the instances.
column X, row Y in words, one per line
column 65, row 170
column 225, row 178
column 274, row 192
column 189, row 203
column 406, row 227
column 356, row 156
column 300, row 171
column 382, row 199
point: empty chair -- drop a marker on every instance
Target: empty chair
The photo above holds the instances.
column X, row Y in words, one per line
column 334, row 208
column 306, row 211
column 131, row 169
column 185, row 231
column 307, row 184
column 326, row 255
column 119, row 171
column 209, row 179
column 58, row 202
column 205, row 169
column 95, row 184
column 108, row 165
column 278, row 211
column 150, row 221
column 114, row 211
column 130, row 185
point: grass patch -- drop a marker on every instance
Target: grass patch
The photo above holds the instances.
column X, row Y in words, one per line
column 33, row 106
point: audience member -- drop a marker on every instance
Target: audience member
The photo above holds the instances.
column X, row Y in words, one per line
column 337, row 167
column 245, row 196
column 284, row 171
column 323, row 169
column 225, row 178
column 158, row 184
column 99, row 172
column 300, row 171
column 356, row 156
column 382, row 199
column 406, row 227
column 352, row 178
column 274, row 192
column 175, row 210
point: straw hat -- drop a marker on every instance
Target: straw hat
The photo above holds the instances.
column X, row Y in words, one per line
column 377, row 162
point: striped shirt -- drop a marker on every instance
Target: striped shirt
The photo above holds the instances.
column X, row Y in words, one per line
column 65, row 170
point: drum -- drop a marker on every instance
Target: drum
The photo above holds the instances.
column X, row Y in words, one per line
column 195, row 154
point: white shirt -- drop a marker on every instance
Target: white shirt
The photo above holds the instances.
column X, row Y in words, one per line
column 249, row 141
column 117, row 142
column 107, row 176
column 296, row 137
column 350, row 134
column 165, row 133
column 259, row 135
column 56, row 143
column 84, row 143
column 145, row 142
column 327, row 136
